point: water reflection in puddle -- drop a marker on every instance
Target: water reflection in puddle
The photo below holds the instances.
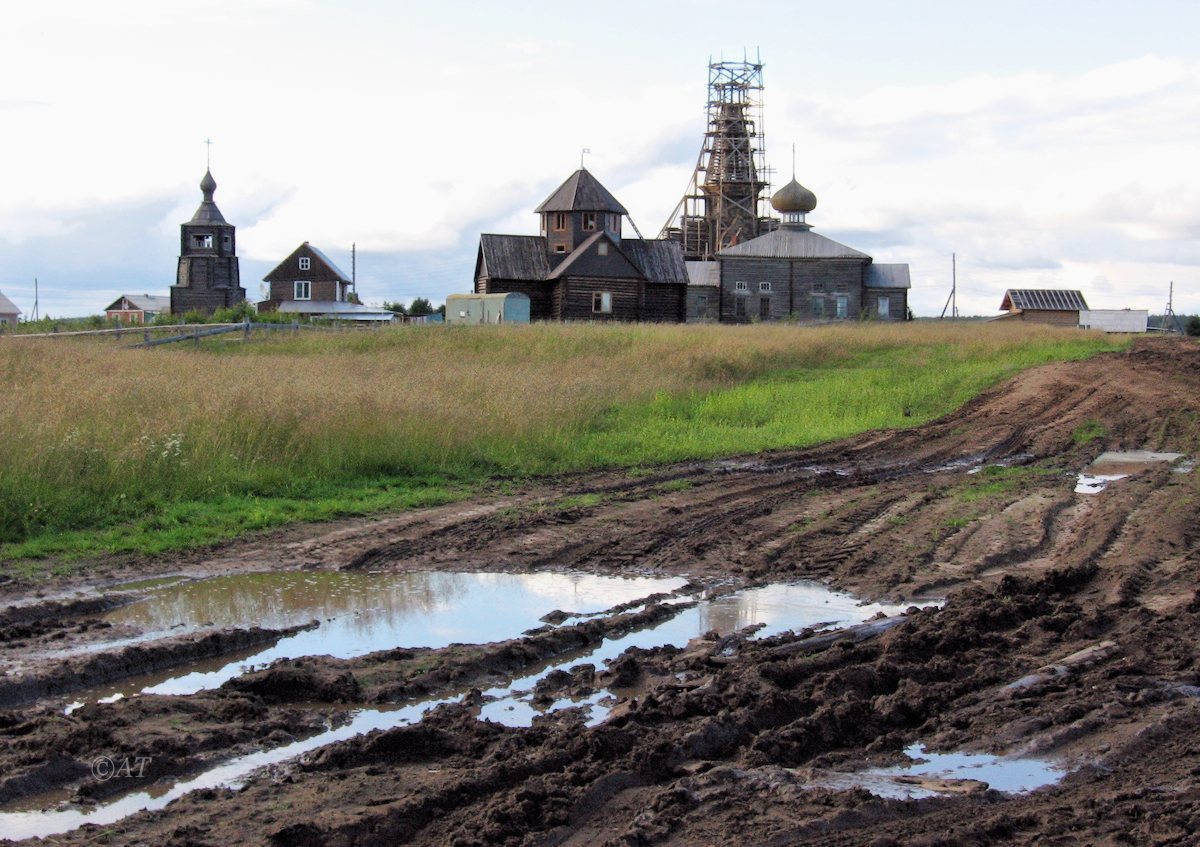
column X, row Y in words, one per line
column 920, row 778
column 359, row 614
column 778, row 607
column 1112, row 466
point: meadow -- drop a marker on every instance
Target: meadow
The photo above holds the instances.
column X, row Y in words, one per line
column 110, row 449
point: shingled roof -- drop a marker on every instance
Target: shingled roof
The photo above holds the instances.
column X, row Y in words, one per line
column 660, row 261
column 513, row 257
column 582, row 192
column 791, row 243
column 8, row 307
column 1043, row 299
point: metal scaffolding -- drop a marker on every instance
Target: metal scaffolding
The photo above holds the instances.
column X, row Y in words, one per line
column 724, row 203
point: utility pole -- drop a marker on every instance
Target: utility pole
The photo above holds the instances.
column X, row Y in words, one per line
column 952, row 300
column 1169, row 314
column 35, row 300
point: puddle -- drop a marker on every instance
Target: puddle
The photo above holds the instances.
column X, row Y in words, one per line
column 1112, row 466
column 923, row 776
column 777, row 607
column 232, row 774
column 359, row 613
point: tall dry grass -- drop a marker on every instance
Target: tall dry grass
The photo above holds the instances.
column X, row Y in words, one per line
column 95, row 433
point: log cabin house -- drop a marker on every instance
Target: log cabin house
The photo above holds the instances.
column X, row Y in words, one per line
column 581, row 267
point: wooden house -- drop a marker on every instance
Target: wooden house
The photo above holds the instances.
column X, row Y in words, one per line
column 1057, row 307
column 581, row 267
column 9, row 313
column 309, row 285
column 138, row 308
column 793, row 273
column 207, row 277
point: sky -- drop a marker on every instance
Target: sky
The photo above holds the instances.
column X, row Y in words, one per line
column 1044, row 144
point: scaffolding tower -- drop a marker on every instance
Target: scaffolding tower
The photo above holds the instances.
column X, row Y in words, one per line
column 724, row 203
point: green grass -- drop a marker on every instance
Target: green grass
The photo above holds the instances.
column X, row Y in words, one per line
column 1087, row 432
column 148, row 451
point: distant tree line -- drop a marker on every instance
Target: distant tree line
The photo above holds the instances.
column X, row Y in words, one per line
column 1190, row 324
column 418, row 307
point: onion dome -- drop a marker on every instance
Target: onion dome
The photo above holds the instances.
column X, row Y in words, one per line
column 208, row 185
column 794, row 199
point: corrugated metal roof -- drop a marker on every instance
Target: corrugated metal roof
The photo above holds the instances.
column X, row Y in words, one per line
column 1043, row 299
column 791, row 243
column 704, row 273
column 144, row 302
column 659, row 260
column 887, row 276
column 582, row 192
column 8, row 307
column 514, row 256
column 334, row 308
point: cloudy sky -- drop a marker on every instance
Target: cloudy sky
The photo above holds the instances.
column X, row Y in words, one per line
column 1048, row 144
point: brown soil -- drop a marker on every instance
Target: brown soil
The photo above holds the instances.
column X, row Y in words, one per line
column 1070, row 631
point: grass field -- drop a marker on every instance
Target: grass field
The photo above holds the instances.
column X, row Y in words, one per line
column 111, row 449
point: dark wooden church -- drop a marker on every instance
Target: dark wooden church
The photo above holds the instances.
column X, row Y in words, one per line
column 580, row 267
column 207, row 278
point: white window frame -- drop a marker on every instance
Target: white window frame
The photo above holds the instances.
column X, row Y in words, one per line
column 741, row 287
column 306, row 289
column 602, row 302
column 305, row 263
column 202, row 240
column 764, row 287
column 560, row 221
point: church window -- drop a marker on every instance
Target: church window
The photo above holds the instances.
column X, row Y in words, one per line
column 305, row 263
column 560, row 248
column 227, row 240
column 560, row 221
column 602, row 302
column 741, row 287
column 818, row 287
column 589, row 220
column 202, row 240
column 764, row 286
column 302, row 290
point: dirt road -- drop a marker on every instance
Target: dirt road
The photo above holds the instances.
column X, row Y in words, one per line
column 1068, row 629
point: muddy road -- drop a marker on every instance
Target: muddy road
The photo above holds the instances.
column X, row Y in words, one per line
column 1027, row 676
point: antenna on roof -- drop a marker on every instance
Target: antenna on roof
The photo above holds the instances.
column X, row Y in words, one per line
column 583, row 153
column 208, row 154
column 793, row 160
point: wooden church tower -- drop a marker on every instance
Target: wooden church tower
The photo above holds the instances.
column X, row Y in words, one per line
column 207, row 278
